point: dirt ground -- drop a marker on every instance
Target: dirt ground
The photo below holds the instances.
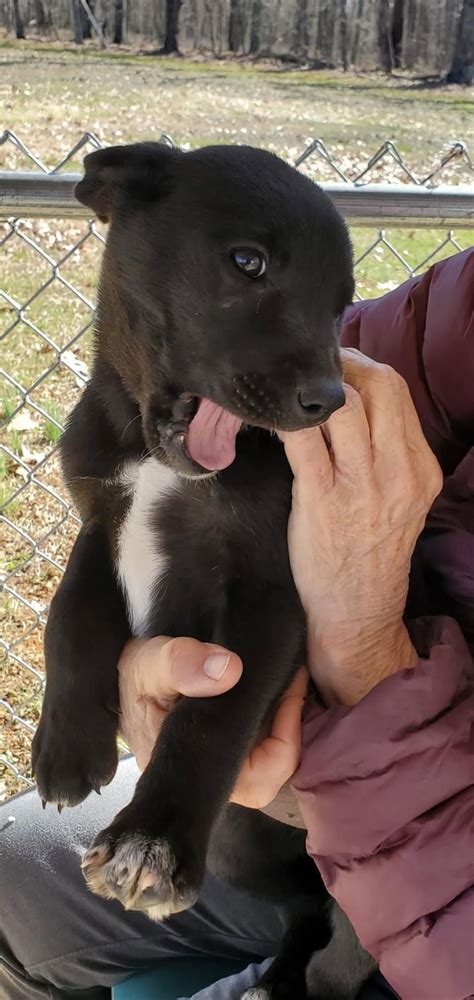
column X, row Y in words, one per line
column 49, row 97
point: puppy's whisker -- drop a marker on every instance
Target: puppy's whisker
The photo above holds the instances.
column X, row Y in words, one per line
column 153, row 452
column 130, row 422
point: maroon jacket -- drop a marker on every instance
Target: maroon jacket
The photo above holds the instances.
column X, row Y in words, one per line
column 387, row 787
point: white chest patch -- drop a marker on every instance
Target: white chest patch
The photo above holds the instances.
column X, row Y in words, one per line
column 140, row 563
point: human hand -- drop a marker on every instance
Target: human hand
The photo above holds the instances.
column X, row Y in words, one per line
column 363, row 485
column 153, row 673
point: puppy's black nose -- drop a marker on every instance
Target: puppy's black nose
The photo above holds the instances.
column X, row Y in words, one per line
column 321, row 397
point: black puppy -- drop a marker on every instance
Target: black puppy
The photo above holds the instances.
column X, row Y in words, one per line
column 224, row 278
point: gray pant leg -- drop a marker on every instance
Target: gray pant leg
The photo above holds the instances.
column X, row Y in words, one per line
column 233, row 987
column 56, row 936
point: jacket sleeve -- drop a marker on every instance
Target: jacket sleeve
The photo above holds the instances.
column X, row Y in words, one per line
column 386, row 789
column 425, row 330
column 447, row 548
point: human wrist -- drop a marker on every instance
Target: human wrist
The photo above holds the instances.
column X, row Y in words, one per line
column 346, row 664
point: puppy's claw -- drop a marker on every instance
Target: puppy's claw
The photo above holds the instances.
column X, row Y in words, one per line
column 96, row 786
column 43, row 803
column 91, row 856
column 60, row 808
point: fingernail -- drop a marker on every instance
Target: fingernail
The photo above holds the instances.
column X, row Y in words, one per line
column 215, row 665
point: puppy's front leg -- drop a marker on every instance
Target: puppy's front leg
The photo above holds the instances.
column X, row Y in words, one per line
column 153, row 855
column 74, row 749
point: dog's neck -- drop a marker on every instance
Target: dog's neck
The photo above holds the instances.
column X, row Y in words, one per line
column 120, row 408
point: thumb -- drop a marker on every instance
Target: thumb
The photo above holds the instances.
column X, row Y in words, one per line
column 170, row 667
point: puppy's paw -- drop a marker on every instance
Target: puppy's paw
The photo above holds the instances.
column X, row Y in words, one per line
column 69, row 760
column 143, row 872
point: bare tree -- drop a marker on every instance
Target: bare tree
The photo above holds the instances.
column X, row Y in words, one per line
column 397, row 30
column 368, row 46
column 301, row 40
column 172, row 26
column 86, row 24
column 40, row 16
column 429, row 35
column 119, row 22
column 77, row 22
column 344, row 32
column 385, row 35
column 19, row 26
column 236, row 26
column 462, row 69
column 255, row 26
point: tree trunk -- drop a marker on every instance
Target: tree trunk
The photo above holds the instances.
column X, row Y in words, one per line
column 119, row 22
column 236, row 27
column 385, row 35
column 344, row 33
column 86, row 24
column 172, row 26
column 429, row 33
column 397, row 30
column 255, row 27
column 462, row 69
column 77, row 22
column 19, row 27
column 301, row 40
column 368, row 46
column 39, row 15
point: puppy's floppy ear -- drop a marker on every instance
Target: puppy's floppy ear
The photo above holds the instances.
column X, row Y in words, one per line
column 140, row 172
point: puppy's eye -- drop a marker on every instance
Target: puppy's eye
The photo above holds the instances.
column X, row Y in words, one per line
column 251, row 262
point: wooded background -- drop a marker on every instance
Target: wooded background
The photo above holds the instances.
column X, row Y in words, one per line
column 424, row 37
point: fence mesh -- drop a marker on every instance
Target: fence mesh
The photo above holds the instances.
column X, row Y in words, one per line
column 49, row 272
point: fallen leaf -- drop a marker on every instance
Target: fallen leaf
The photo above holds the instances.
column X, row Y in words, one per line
column 32, row 457
column 23, row 421
column 78, row 366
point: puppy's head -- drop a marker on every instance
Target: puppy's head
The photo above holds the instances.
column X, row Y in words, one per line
column 225, row 276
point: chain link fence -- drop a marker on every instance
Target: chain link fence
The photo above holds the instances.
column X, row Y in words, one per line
column 50, row 261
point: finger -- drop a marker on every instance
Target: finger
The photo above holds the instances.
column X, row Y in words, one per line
column 348, row 434
column 286, row 724
column 396, row 432
column 385, row 396
column 273, row 761
column 171, row 667
column 145, row 738
column 358, row 368
column 308, row 456
column 267, row 768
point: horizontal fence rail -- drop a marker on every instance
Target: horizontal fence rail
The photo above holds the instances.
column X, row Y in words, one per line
column 46, row 196
column 51, row 250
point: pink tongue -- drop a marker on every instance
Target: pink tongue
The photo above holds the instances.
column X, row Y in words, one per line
column 211, row 436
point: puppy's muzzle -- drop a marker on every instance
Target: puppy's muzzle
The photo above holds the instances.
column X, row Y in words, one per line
column 311, row 401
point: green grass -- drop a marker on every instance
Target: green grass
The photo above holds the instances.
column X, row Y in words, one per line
column 419, row 248
column 7, row 407
column 52, row 432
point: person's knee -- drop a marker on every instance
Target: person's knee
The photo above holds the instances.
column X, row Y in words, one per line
column 46, row 908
